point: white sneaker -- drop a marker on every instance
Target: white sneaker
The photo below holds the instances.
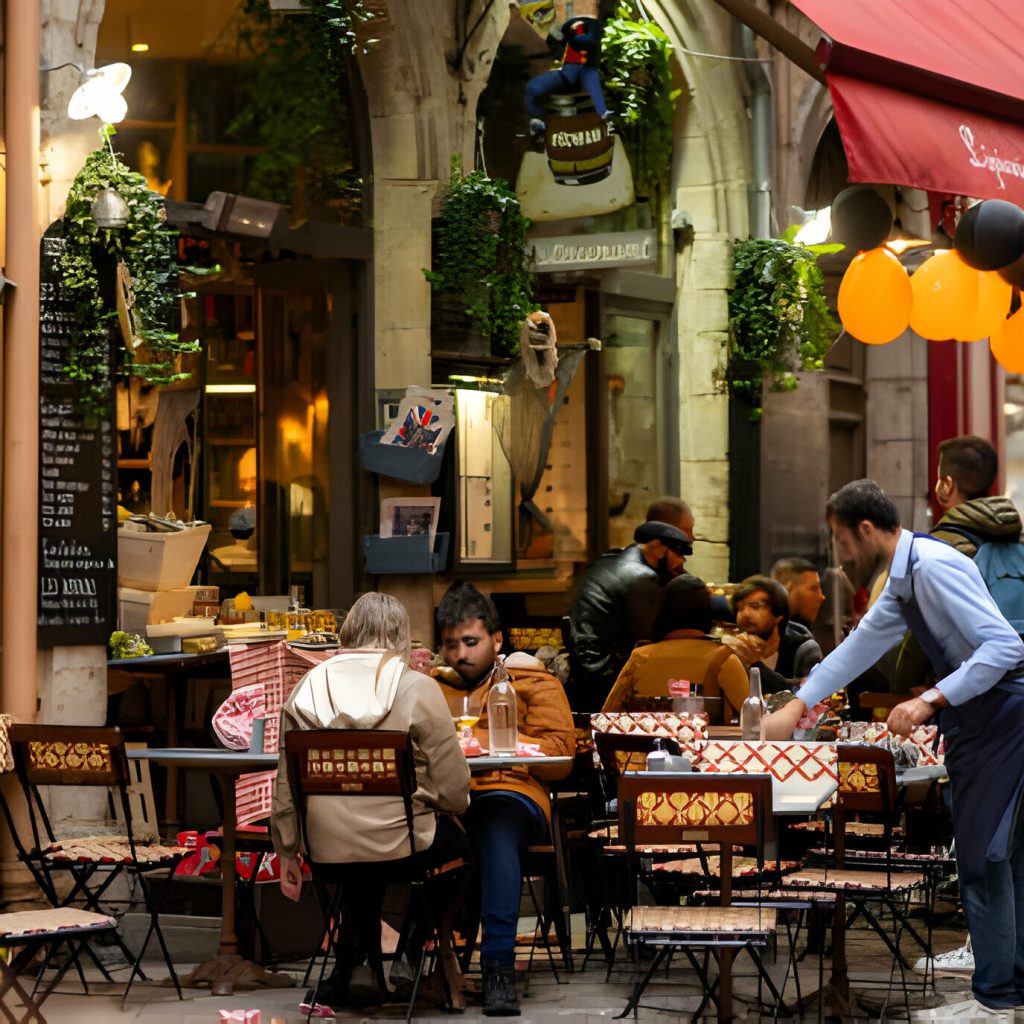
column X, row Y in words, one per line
column 962, row 1013
column 954, row 961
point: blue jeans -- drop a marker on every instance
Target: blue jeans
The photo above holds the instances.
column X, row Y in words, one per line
column 501, row 826
column 994, row 906
column 575, row 76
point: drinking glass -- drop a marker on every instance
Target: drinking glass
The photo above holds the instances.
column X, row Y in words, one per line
column 467, row 716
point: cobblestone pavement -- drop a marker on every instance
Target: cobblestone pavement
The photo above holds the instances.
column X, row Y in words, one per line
column 582, row 998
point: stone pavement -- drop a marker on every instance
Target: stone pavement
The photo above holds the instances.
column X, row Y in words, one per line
column 583, row 998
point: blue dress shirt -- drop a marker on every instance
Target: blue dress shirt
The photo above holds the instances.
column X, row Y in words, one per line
column 964, row 621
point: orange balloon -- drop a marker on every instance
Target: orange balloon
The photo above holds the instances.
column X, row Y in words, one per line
column 1007, row 343
column 994, row 296
column 874, row 297
column 945, row 293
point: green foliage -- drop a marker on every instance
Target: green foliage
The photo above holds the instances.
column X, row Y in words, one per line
column 636, row 76
column 779, row 321
column 295, row 80
column 483, row 256
column 147, row 249
column 128, row 645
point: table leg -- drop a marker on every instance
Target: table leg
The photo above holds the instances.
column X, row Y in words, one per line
column 228, row 938
column 725, row 958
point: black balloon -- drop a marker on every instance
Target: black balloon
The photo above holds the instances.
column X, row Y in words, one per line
column 990, row 235
column 861, row 218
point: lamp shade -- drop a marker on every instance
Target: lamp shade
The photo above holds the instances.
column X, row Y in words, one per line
column 99, row 95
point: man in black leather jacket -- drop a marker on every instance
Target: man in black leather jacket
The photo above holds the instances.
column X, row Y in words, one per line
column 618, row 600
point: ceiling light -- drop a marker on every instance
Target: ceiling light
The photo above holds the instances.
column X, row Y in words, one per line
column 140, row 47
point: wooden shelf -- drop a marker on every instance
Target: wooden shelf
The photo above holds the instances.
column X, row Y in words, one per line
column 133, row 464
column 223, row 503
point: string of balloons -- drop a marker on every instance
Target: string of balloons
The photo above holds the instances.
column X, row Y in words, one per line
column 963, row 293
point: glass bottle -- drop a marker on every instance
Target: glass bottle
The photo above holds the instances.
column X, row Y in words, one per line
column 657, row 757
column 502, row 714
column 753, row 710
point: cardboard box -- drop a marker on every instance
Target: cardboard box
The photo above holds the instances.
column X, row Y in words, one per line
column 137, row 609
column 159, row 561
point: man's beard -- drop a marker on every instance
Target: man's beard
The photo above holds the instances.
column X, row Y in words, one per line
column 665, row 573
column 472, row 684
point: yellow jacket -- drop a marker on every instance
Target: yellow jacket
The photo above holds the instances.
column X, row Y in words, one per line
column 683, row 654
column 544, row 718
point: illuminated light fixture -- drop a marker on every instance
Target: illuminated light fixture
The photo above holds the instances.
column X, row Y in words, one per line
column 99, row 92
column 901, row 245
column 140, row 47
column 240, row 215
column 816, row 230
column 230, row 389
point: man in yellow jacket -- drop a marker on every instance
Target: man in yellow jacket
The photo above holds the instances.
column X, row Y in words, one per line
column 509, row 809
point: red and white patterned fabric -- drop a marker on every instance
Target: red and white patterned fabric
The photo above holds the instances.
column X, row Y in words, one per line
column 798, row 770
column 923, row 737
column 688, row 731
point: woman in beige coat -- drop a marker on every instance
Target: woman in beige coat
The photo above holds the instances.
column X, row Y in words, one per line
column 370, row 686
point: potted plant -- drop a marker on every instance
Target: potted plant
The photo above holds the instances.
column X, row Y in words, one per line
column 482, row 259
column 140, row 256
column 779, row 320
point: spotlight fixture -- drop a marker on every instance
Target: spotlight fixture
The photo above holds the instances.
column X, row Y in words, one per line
column 99, row 92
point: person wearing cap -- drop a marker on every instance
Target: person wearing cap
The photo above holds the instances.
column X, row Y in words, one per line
column 682, row 650
column 619, row 598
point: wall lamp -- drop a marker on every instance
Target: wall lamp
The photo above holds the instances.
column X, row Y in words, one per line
column 99, row 92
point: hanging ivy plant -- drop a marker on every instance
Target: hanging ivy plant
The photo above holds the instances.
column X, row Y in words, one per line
column 636, row 75
column 147, row 249
column 779, row 320
column 483, row 256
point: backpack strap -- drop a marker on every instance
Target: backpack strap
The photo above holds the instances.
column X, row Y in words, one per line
column 975, row 538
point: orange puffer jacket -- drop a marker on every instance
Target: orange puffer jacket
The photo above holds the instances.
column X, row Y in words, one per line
column 544, row 719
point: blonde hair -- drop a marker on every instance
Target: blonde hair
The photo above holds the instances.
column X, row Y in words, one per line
column 378, row 621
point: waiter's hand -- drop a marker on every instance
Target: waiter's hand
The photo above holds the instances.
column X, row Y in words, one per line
column 779, row 725
column 906, row 717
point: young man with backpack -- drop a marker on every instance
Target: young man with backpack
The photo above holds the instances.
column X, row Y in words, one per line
column 988, row 530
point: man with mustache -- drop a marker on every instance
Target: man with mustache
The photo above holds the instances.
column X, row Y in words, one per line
column 510, row 809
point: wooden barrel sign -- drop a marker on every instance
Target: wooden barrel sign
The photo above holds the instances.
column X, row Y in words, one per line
column 579, row 148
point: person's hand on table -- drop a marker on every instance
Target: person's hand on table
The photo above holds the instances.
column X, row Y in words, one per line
column 779, row 725
column 747, row 647
column 907, row 716
column 291, row 878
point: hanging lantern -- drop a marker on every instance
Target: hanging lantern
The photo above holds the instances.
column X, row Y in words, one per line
column 109, row 210
column 945, row 295
column 1007, row 343
column 875, row 297
column 993, row 306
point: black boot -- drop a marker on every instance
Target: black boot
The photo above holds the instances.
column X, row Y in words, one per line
column 500, row 991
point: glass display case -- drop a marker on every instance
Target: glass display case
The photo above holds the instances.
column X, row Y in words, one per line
column 484, row 499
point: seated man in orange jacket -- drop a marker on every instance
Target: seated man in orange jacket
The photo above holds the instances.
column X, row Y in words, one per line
column 509, row 810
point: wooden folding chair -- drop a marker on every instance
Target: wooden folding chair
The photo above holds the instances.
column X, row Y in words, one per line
column 659, row 810
column 348, row 764
column 67, row 755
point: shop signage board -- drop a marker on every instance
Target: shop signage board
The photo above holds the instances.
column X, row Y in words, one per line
column 77, row 489
column 592, row 252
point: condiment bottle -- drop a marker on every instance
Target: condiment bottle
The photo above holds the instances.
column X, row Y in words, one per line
column 502, row 713
column 657, row 758
column 753, row 709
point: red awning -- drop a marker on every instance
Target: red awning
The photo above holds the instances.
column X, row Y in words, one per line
column 925, row 94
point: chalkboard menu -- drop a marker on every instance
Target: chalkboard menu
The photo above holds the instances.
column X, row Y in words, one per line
column 77, row 490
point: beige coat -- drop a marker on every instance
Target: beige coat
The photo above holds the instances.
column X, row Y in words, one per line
column 348, row 692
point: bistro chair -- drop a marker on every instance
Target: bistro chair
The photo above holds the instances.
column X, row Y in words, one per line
column 873, row 881
column 349, row 764
column 666, row 809
column 69, row 755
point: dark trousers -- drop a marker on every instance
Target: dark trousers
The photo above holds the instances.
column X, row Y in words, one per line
column 575, row 76
column 501, row 826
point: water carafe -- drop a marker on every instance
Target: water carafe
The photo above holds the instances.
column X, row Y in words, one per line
column 753, row 710
column 502, row 714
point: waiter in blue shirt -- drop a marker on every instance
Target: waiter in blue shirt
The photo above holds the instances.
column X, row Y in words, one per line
column 978, row 704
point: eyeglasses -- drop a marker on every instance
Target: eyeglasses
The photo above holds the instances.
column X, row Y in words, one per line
column 754, row 606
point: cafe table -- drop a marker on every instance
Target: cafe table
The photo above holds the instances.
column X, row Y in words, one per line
column 495, row 762
column 227, row 766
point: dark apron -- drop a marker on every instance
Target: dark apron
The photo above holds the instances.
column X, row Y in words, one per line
column 984, row 741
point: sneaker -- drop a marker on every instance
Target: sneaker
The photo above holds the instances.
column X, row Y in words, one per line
column 968, row 1011
column 536, row 129
column 500, row 998
column 609, row 124
column 954, row 961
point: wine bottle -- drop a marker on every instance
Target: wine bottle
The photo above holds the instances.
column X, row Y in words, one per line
column 502, row 713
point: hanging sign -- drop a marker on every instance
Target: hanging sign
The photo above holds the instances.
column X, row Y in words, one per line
column 583, row 252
